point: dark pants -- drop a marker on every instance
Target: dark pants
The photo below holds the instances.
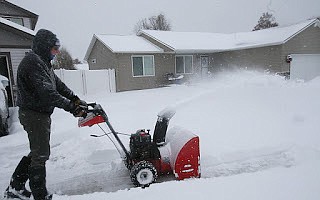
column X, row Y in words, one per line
column 37, row 125
column 33, row 167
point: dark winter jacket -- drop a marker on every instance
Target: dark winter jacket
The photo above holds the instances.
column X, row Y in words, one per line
column 39, row 89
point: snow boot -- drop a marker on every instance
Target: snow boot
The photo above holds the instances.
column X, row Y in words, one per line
column 48, row 197
column 18, row 180
column 11, row 193
column 37, row 182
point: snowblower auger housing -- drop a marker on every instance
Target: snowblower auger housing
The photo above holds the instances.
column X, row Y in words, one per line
column 175, row 151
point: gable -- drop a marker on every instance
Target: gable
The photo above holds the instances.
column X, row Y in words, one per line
column 306, row 42
column 8, row 9
column 13, row 38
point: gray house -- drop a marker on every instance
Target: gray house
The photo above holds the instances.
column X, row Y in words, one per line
column 16, row 33
column 195, row 54
column 138, row 63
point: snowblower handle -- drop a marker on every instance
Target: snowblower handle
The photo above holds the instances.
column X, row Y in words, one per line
column 98, row 115
column 92, row 105
column 95, row 109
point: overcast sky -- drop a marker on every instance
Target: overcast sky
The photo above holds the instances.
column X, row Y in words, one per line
column 75, row 21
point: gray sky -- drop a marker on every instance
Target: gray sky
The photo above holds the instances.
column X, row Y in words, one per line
column 75, row 21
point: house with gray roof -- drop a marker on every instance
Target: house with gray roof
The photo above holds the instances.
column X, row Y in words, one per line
column 16, row 32
column 142, row 61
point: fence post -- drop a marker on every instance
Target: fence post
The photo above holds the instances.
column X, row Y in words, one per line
column 113, row 80
column 108, row 79
column 84, row 82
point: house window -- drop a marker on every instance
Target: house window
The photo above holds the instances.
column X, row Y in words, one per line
column 143, row 66
column 184, row 65
column 16, row 20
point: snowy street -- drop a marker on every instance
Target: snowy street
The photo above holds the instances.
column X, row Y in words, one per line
column 259, row 139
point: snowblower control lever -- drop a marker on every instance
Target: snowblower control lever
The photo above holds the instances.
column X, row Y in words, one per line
column 97, row 115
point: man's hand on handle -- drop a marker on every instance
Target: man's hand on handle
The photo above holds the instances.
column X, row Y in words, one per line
column 79, row 107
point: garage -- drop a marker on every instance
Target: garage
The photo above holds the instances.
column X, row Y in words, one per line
column 305, row 66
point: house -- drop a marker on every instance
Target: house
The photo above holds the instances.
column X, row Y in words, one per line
column 137, row 62
column 16, row 32
column 142, row 61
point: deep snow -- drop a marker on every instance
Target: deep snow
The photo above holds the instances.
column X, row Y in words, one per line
column 259, row 137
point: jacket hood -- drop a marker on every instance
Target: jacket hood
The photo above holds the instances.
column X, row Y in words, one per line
column 43, row 41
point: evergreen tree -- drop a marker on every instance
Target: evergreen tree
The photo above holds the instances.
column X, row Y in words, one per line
column 63, row 60
column 266, row 21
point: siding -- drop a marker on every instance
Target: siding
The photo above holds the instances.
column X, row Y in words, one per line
column 16, row 57
column 27, row 23
column 105, row 59
column 260, row 59
column 164, row 63
column 13, row 38
column 307, row 42
column 8, row 10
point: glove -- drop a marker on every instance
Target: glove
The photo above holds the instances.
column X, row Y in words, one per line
column 78, row 102
column 79, row 112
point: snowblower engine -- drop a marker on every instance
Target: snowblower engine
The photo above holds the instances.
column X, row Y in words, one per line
column 142, row 147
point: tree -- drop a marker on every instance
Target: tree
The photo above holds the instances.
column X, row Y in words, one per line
column 76, row 61
column 158, row 22
column 265, row 21
column 63, row 60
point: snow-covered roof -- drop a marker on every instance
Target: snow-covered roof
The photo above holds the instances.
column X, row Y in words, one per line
column 183, row 42
column 200, row 42
column 17, row 26
column 124, row 44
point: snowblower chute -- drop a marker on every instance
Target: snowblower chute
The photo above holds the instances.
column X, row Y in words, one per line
column 174, row 152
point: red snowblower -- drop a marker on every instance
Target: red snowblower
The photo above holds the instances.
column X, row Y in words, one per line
column 176, row 151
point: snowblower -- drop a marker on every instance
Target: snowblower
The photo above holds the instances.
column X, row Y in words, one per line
column 176, row 151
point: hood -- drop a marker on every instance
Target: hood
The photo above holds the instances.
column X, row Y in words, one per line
column 43, row 41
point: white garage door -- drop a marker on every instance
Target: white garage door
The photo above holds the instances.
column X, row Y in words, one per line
column 305, row 66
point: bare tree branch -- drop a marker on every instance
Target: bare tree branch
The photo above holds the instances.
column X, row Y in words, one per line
column 157, row 22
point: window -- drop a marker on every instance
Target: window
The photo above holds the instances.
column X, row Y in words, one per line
column 184, row 65
column 143, row 66
column 16, row 20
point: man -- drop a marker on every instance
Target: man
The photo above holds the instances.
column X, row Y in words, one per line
column 39, row 92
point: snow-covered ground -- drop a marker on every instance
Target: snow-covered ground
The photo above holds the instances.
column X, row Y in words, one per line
column 259, row 139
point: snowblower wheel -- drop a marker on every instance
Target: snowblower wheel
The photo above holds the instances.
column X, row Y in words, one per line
column 143, row 174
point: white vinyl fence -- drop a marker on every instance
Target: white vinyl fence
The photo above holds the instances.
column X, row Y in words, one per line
column 84, row 82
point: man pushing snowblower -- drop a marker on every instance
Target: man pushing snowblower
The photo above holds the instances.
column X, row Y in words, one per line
column 39, row 92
